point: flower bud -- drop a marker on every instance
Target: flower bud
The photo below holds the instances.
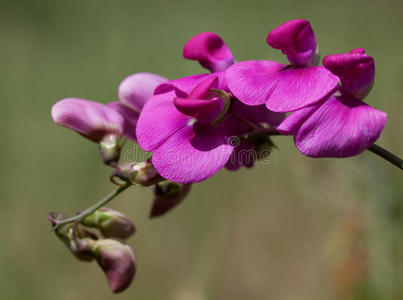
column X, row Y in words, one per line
column 109, row 148
column 168, row 194
column 117, row 261
column 111, row 223
column 141, row 173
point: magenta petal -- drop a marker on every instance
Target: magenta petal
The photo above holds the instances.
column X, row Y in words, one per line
column 136, row 89
column 299, row 87
column 296, row 39
column 356, row 71
column 294, row 121
column 199, row 91
column 341, row 127
column 257, row 114
column 192, row 154
column 184, row 85
column 91, row 119
column 252, row 81
column 210, row 50
column 158, row 120
column 130, row 116
column 205, row 111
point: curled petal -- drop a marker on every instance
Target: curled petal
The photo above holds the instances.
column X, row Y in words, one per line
column 210, row 50
column 296, row 39
column 340, row 127
column 204, row 111
column 294, row 121
column 130, row 117
column 356, row 71
column 136, row 89
column 192, row 154
column 91, row 119
column 159, row 120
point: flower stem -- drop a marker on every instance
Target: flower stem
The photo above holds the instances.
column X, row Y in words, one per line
column 378, row 150
column 93, row 208
column 385, row 154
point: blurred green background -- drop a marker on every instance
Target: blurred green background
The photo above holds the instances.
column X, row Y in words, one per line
column 294, row 229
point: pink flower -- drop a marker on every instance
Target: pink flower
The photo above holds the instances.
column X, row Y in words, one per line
column 284, row 88
column 341, row 125
column 188, row 122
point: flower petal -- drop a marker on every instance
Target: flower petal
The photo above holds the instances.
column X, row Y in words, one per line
column 251, row 81
column 91, row 119
column 210, row 50
column 185, row 85
column 130, row 117
column 296, row 39
column 299, row 87
column 341, row 127
column 192, row 154
column 356, row 71
column 158, row 120
column 243, row 155
column 294, row 121
column 136, row 89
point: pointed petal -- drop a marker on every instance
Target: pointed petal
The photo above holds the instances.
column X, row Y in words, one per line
column 356, row 71
column 130, row 117
column 296, row 39
column 200, row 90
column 192, row 154
column 184, row 85
column 210, row 50
column 158, row 120
column 91, row 119
column 300, row 87
column 243, row 155
column 136, row 89
column 341, row 127
column 204, row 111
column 251, row 81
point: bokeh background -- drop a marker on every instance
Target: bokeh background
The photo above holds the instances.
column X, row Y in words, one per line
column 294, row 229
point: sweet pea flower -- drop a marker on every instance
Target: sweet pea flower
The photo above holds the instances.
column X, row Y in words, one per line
column 188, row 122
column 341, row 125
column 284, row 88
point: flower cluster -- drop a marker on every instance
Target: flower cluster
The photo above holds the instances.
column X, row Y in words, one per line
column 196, row 125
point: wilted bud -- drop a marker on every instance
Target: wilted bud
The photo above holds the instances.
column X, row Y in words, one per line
column 110, row 222
column 117, row 261
column 78, row 242
column 141, row 173
column 168, row 194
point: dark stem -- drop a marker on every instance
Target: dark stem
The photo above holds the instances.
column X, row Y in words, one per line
column 378, row 150
column 385, row 154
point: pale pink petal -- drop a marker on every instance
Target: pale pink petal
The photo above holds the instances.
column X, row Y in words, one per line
column 192, row 154
column 210, row 50
column 136, row 89
column 91, row 119
column 159, row 120
column 130, row 116
column 252, row 81
column 341, row 127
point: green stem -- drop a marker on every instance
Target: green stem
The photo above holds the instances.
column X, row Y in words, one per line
column 385, row 154
column 94, row 207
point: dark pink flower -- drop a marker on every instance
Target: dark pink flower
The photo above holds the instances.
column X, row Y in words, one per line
column 341, row 125
column 284, row 88
column 188, row 123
